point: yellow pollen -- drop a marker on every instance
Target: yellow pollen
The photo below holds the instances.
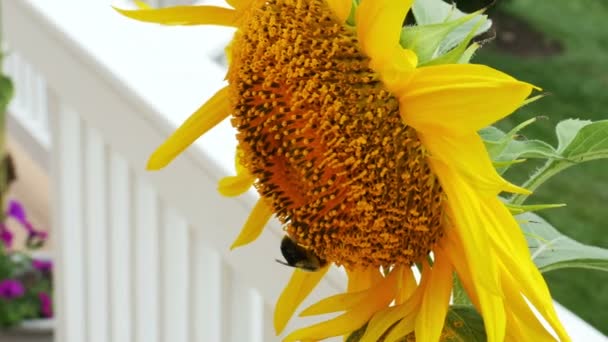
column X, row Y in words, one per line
column 325, row 140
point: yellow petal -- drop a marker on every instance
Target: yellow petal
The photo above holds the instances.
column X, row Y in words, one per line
column 238, row 157
column 206, row 117
column 238, row 4
column 142, row 5
column 537, row 292
column 490, row 304
column 510, row 244
column 405, row 312
column 494, row 316
column 532, row 285
column 406, row 286
column 379, row 25
column 464, row 210
column 457, row 259
column 518, row 329
column 259, row 216
column 299, row 287
column 341, row 325
column 505, row 232
column 184, row 15
column 401, row 329
column 363, row 278
column 346, row 301
column 341, row 8
column 434, row 306
column 378, row 297
column 468, row 155
column 385, row 319
column 336, row 303
column 235, row 185
column 521, row 321
column 459, row 98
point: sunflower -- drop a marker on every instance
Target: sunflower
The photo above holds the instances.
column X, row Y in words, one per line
column 372, row 163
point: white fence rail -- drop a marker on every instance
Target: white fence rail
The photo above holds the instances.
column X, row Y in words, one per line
column 141, row 256
column 29, row 108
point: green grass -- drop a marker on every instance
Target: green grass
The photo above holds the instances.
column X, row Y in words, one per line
column 578, row 82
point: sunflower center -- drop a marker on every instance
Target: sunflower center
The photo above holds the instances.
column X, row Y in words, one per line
column 325, row 140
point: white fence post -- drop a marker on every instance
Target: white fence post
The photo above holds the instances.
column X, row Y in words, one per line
column 67, row 198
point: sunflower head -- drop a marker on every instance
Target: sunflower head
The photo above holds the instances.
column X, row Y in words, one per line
column 325, row 140
column 372, row 162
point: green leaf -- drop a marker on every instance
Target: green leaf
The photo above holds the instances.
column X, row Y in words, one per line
column 527, row 149
column 552, row 250
column 468, row 53
column 429, row 12
column 476, row 26
column 6, row 92
column 432, row 11
column 520, row 209
column 516, row 150
column 491, row 134
column 426, row 40
column 443, row 32
column 459, row 295
column 353, row 10
column 459, row 54
column 462, row 324
column 496, row 140
column 506, row 149
column 567, row 130
column 590, row 141
column 578, row 141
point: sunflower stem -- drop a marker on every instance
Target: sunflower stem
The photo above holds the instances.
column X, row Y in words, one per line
column 460, row 295
column 550, row 169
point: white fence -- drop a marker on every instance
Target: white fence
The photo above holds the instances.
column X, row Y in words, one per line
column 141, row 256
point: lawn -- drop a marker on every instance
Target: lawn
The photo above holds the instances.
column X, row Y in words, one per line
column 577, row 79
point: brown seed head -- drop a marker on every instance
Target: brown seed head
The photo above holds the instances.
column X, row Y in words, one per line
column 325, row 139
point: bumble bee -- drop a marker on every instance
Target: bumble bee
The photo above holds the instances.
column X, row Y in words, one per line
column 299, row 257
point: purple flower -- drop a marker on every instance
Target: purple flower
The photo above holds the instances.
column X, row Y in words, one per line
column 42, row 265
column 16, row 211
column 46, row 304
column 6, row 236
column 11, row 288
column 35, row 238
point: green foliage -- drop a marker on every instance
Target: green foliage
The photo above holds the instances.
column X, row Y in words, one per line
column 578, row 142
column 6, row 92
column 463, row 324
column 442, row 33
column 551, row 250
column 507, row 149
column 18, row 266
column 517, row 209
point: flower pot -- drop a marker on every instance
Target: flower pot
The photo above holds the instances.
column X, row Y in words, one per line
column 36, row 330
